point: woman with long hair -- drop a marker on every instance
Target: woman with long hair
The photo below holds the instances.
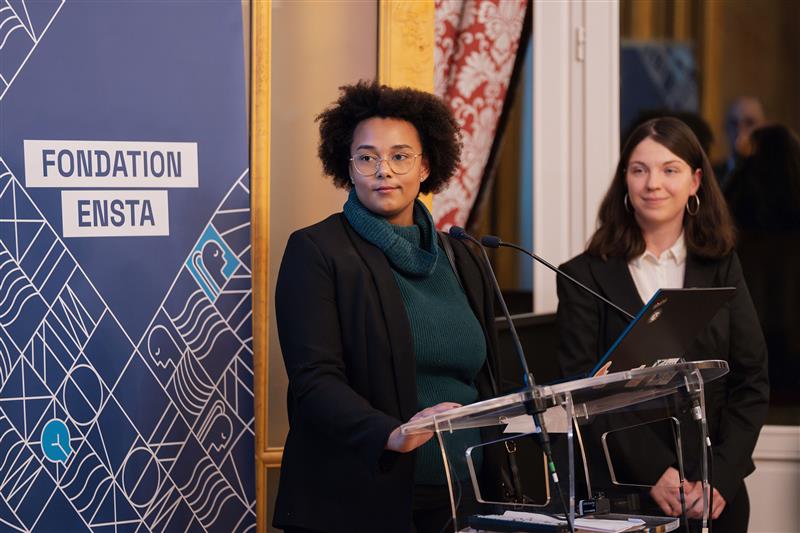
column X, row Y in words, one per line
column 664, row 224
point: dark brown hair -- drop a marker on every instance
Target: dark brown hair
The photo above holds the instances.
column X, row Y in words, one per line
column 710, row 233
column 437, row 128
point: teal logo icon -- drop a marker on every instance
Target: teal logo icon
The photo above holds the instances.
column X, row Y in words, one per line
column 212, row 263
column 55, row 441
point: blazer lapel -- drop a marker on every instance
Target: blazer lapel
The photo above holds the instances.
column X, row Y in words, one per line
column 395, row 318
column 614, row 281
column 699, row 272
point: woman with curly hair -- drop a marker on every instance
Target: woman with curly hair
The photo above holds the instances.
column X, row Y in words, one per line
column 664, row 224
column 381, row 320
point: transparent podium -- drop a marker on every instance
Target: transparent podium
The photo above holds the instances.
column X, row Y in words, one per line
column 498, row 477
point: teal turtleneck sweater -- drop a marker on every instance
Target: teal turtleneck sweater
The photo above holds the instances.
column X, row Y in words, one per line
column 449, row 344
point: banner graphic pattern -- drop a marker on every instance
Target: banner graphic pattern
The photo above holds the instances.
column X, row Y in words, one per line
column 22, row 25
column 126, row 358
column 170, row 468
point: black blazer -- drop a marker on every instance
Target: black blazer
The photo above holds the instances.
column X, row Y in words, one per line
column 349, row 355
column 736, row 405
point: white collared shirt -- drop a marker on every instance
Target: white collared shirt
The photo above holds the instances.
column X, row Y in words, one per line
column 651, row 273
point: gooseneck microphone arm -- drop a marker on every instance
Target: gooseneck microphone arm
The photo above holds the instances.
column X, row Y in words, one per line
column 538, row 406
column 490, row 241
column 459, row 233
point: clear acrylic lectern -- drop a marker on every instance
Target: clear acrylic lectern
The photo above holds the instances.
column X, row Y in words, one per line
column 482, row 437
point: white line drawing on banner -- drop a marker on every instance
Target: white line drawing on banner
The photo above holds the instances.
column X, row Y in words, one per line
column 6, row 362
column 17, row 219
column 15, row 469
column 180, row 316
column 163, row 347
column 191, row 301
column 11, row 526
column 79, row 320
column 217, row 429
column 58, row 321
column 132, row 478
column 163, row 508
column 83, row 381
column 209, row 494
column 233, row 382
column 19, row 472
column 88, row 485
column 73, row 270
column 26, row 398
column 161, row 440
column 53, row 246
column 14, row 454
column 13, row 278
column 28, row 482
column 46, row 350
column 243, row 299
column 69, row 313
column 202, row 328
column 89, row 470
column 10, row 21
column 193, row 388
column 188, row 313
column 76, row 325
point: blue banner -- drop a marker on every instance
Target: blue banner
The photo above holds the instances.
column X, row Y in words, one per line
column 126, row 383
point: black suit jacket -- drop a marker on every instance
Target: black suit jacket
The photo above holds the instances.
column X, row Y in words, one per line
column 736, row 405
column 348, row 350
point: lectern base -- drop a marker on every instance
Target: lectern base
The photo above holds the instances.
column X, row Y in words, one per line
column 652, row 524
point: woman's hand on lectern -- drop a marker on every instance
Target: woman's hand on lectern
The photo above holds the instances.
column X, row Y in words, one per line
column 666, row 492
column 398, row 442
column 694, row 502
column 719, row 505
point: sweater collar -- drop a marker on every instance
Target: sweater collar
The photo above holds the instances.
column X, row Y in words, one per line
column 409, row 250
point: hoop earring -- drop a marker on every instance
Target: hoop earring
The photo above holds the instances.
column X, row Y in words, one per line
column 627, row 205
column 696, row 209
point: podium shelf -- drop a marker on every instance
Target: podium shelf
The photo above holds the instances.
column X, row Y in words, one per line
column 590, row 396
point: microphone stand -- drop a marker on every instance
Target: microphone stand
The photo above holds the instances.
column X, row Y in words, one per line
column 536, row 408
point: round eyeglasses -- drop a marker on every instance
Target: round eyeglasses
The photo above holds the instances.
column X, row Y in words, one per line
column 368, row 164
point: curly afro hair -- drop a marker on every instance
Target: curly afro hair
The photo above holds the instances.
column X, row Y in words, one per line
column 435, row 124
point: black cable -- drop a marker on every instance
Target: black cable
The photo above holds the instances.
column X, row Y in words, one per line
column 698, row 410
column 681, row 491
column 684, row 517
column 710, row 483
column 544, row 441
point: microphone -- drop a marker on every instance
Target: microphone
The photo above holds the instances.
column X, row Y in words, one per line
column 459, row 233
column 538, row 407
column 492, row 241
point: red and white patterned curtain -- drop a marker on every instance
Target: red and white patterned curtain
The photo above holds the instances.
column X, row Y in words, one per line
column 476, row 45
